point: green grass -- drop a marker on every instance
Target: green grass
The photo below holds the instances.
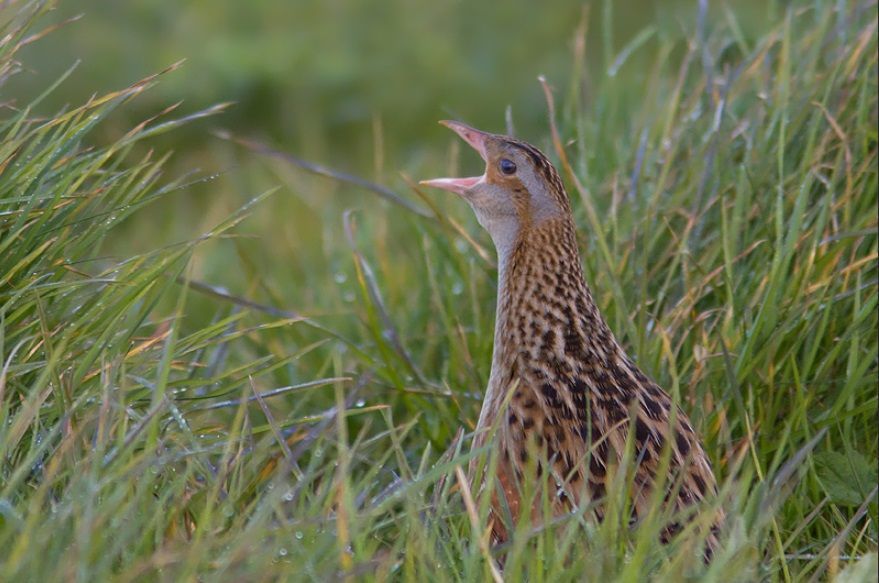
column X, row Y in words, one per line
column 154, row 426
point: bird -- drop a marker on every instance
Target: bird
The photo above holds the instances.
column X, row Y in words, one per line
column 561, row 387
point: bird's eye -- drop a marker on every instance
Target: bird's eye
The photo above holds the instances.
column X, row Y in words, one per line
column 507, row 166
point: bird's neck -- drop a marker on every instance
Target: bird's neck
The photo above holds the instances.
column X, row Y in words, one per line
column 544, row 307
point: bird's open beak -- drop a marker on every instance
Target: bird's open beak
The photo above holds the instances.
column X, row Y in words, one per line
column 477, row 140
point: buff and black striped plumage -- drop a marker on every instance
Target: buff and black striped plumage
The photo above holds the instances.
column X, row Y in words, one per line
column 561, row 386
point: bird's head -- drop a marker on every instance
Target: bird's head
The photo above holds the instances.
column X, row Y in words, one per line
column 519, row 190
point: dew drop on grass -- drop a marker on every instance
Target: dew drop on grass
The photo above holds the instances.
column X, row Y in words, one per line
column 298, row 534
column 360, row 403
column 340, row 277
column 282, row 551
column 288, row 496
column 457, row 288
column 348, row 297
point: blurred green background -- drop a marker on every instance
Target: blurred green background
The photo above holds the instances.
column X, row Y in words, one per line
column 315, row 75
column 358, row 86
